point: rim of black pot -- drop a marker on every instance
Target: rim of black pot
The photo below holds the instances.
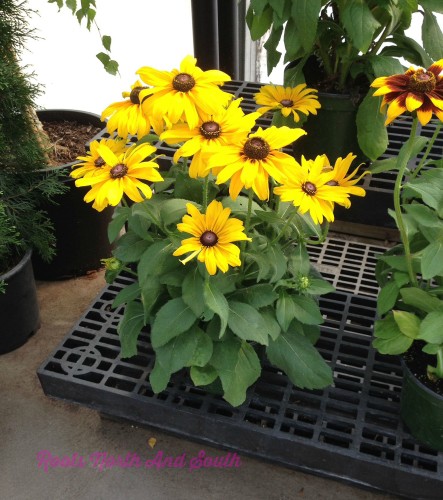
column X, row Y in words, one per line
column 20, row 263
column 422, row 386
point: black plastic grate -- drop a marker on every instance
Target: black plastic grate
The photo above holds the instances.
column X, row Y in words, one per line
column 356, row 421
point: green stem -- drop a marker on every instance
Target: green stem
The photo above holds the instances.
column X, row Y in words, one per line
column 438, row 370
column 402, row 162
column 205, row 193
column 247, row 222
column 428, row 150
column 282, row 232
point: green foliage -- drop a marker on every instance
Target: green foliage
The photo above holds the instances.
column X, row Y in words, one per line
column 410, row 302
column 216, row 326
column 350, row 42
column 22, row 188
column 85, row 10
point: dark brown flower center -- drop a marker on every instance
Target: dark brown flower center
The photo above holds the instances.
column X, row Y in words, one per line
column 256, row 148
column 287, row 103
column 210, row 130
column 99, row 162
column 332, row 183
column 208, row 239
column 120, row 170
column 422, row 81
column 309, row 188
column 183, row 82
column 134, row 95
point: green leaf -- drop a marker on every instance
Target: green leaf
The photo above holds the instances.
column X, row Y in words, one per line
column 372, row 133
column 203, row 375
column 192, row 292
column 432, row 5
column 106, row 41
column 318, row 286
column 387, row 298
column 119, row 218
column 238, row 367
column 258, row 296
column 360, row 24
column 150, row 291
column 127, row 294
column 130, row 327
column 140, row 227
column 385, row 65
column 432, row 36
column 216, row 302
column 277, row 262
column 71, row 4
column 156, row 260
column 247, row 323
column 172, row 210
column 272, row 326
column 385, row 165
column 299, row 261
column 285, row 310
column 431, row 328
column 202, row 350
column 408, row 323
column 272, row 54
column 307, row 310
column 259, row 24
column 292, row 42
column 149, row 209
column 240, row 205
column 305, row 14
column 102, row 56
column 432, row 260
column 423, row 215
column 301, row 362
column 130, row 247
column 388, row 337
column 174, row 318
column 159, row 378
column 421, row 300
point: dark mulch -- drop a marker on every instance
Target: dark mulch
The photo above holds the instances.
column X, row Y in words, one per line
column 68, row 140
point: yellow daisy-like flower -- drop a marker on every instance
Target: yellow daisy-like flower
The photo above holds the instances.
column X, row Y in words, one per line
column 212, row 237
column 121, row 176
column 417, row 90
column 308, row 189
column 128, row 116
column 93, row 163
column 181, row 95
column 224, row 127
column 288, row 100
column 341, row 177
column 251, row 161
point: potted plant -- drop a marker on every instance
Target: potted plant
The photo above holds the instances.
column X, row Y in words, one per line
column 216, row 248
column 339, row 47
column 23, row 225
column 410, row 303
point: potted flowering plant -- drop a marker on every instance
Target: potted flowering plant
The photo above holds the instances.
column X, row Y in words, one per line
column 410, row 303
column 339, row 47
column 217, row 248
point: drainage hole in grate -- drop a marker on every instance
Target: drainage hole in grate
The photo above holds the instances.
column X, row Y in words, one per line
column 104, row 366
column 382, row 420
column 304, row 400
column 378, row 436
column 301, row 417
column 83, row 335
column 334, row 440
column 347, row 386
column 359, row 338
column 353, row 350
column 377, row 451
column 120, row 384
column 54, row 367
column 89, row 326
column 263, row 391
column 220, row 410
column 339, row 375
column 265, row 423
column 107, row 352
column 95, row 316
column 188, row 402
column 418, row 462
column 128, row 372
column 344, row 427
column 146, row 391
column 254, row 405
column 296, row 430
column 341, row 411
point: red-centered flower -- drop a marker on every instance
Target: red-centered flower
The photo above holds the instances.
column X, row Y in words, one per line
column 417, row 90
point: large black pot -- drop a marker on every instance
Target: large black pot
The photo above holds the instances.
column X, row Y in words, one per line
column 19, row 310
column 80, row 231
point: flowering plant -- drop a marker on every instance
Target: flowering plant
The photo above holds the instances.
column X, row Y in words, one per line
column 340, row 46
column 410, row 302
column 237, row 209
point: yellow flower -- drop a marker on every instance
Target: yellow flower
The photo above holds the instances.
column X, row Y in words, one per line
column 341, row 177
column 416, row 90
column 93, row 163
column 181, row 95
column 121, row 176
column 212, row 237
column 289, row 100
column 128, row 117
column 224, row 127
column 249, row 162
column 308, row 189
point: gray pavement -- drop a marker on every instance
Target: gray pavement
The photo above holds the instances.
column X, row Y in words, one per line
column 32, row 423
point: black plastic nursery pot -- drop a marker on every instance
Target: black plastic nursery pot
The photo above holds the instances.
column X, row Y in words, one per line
column 19, row 309
column 80, row 231
column 421, row 409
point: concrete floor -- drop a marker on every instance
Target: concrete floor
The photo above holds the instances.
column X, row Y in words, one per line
column 31, row 422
